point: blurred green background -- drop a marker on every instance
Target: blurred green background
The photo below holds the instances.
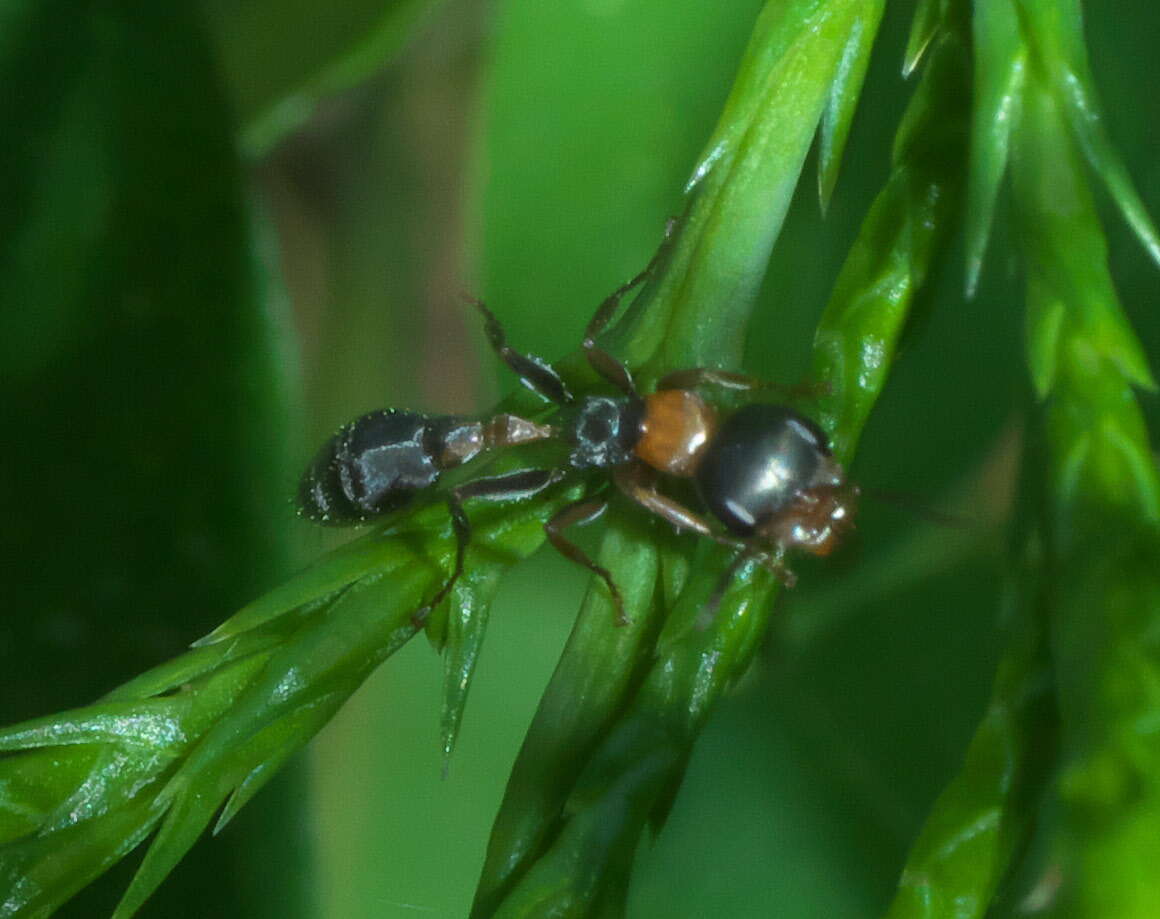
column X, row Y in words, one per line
column 225, row 230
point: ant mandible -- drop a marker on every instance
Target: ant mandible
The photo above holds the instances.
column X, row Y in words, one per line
column 764, row 473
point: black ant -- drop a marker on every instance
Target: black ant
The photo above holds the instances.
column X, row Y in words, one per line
column 765, row 472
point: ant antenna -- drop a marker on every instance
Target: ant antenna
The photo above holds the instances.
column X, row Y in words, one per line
column 913, row 504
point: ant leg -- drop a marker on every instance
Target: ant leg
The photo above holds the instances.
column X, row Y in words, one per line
column 511, row 486
column 634, row 482
column 583, row 512
column 607, row 309
column 775, row 565
column 709, row 610
column 772, row 563
column 706, row 376
column 601, row 361
column 534, row 372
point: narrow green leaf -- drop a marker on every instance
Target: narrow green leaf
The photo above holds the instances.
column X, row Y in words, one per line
column 928, row 20
column 469, row 605
column 372, row 553
column 694, row 310
column 1056, row 28
column 152, row 723
column 301, row 687
column 71, row 811
column 982, row 816
column 906, row 230
column 274, row 746
column 844, row 94
column 184, row 821
column 362, row 628
column 192, row 666
column 587, row 689
column 39, row 874
column 1000, row 64
column 633, row 766
column 1071, row 297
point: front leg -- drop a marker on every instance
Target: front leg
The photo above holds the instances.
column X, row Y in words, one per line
column 754, row 551
column 635, row 482
column 600, row 360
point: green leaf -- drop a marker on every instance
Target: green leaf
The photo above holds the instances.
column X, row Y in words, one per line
column 39, row 874
column 631, row 770
column 193, row 799
column 1000, row 69
column 975, row 828
column 1071, row 301
column 468, row 609
column 844, row 94
column 587, row 690
column 693, row 312
column 1056, row 29
column 299, row 689
column 369, row 554
column 906, row 230
column 65, row 825
column 928, row 19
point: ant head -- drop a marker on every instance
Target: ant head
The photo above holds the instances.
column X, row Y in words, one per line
column 816, row 521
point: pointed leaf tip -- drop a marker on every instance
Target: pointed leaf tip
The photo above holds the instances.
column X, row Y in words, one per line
column 843, row 99
column 927, row 22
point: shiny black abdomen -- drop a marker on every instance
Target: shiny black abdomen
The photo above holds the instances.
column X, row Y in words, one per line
column 762, row 456
column 373, row 465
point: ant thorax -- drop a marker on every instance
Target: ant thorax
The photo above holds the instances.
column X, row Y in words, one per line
column 603, row 431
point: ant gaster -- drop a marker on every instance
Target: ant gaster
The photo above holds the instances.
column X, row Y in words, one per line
column 764, row 473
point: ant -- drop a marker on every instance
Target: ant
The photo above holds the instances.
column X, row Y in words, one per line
column 764, row 473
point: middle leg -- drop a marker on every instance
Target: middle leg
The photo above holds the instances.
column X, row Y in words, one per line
column 511, row 486
column 635, row 482
column 584, row 512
